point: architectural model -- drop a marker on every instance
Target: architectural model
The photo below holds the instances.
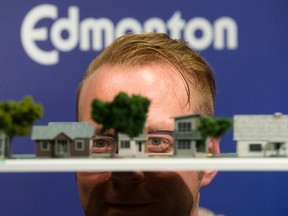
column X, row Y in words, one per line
column 188, row 140
column 78, row 139
column 255, row 135
column 261, row 135
column 63, row 139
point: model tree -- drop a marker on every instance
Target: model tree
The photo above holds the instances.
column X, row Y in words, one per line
column 124, row 114
column 17, row 118
column 214, row 127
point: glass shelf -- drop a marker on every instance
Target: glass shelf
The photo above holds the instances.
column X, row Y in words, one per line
column 144, row 164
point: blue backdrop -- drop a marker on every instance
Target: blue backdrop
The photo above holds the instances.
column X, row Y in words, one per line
column 47, row 45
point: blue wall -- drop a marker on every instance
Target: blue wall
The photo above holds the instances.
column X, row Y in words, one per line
column 250, row 64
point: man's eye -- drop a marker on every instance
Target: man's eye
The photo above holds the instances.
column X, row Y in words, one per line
column 99, row 143
column 102, row 145
column 156, row 141
column 159, row 145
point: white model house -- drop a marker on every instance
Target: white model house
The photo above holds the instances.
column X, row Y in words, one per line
column 261, row 135
column 187, row 139
column 128, row 147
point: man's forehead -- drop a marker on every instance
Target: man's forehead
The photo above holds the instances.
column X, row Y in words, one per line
column 164, row 122
column 167, row 94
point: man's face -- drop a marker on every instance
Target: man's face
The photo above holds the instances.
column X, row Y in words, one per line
column 139, row 193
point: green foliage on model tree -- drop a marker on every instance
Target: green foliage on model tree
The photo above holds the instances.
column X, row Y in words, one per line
column 214, row 127
column 125, row 114
column 17, row 118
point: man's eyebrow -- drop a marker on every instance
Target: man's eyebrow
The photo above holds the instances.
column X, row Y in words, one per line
column 160, row 126
column 113, row 136
column 108, row 131
column 166, row 132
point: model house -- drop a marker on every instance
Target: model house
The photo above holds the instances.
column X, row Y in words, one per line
column 187, row 139
column 261, row 135
column 63, row 139
column 128, row 147
column 2, row 145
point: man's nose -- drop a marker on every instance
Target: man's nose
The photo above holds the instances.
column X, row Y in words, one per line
column 127, row 177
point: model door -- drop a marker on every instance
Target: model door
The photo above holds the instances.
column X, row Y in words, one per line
column 276, row 149
column 62, row 148
column 140, row 148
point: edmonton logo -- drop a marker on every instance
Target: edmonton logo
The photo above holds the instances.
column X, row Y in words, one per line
column 67, row 33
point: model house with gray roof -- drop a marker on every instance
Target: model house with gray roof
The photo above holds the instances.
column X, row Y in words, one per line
column 63, row 139
column 187, row 138
column 261, row 135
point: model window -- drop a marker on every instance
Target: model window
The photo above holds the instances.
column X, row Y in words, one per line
column 44, row 146
column 255, row 147
column 125, row 144
column 184, row 126
column 184, row 144
column 79, row 145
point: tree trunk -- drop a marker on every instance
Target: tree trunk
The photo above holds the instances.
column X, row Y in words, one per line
column 8, row 141
column 213, row 147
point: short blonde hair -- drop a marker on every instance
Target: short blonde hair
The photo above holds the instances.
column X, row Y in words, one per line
column 147, row 48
